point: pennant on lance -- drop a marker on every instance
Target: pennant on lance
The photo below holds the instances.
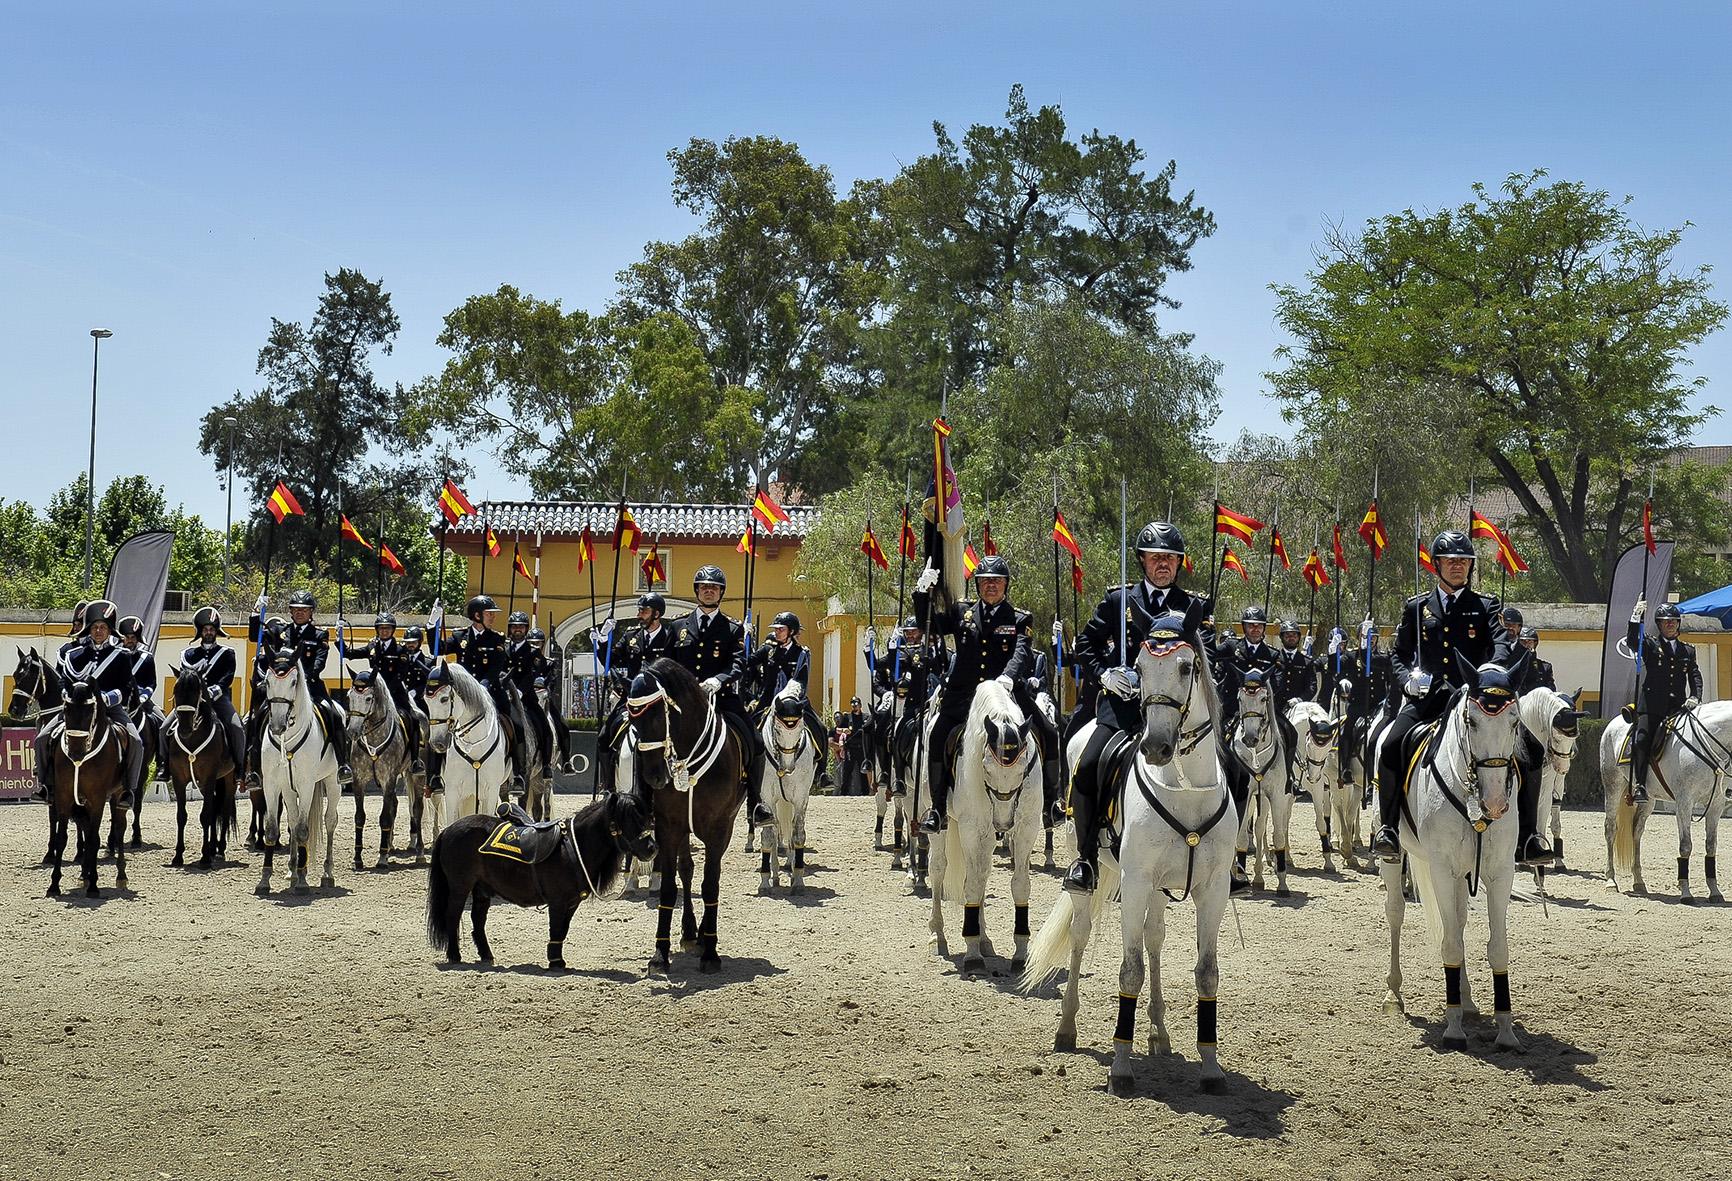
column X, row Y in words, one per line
column 282, row 503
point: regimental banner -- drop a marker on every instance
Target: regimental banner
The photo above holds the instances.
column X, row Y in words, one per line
column 17, row 762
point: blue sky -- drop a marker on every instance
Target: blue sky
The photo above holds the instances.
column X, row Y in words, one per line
column 180, row 173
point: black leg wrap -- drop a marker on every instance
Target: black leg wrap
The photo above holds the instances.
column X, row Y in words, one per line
column 1127, row 1023
column 1558, row 848
column 1022, row 920
column 764, row 861
column 1452, row 985
column 799, row 857
column 1205, row 1021
column 1500, row 992
column 554, row 955
column 1280, row 861
column 971, row 922
column 1683, row 869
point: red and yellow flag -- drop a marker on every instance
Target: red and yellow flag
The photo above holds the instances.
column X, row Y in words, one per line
column 746, row 545
column 1061, row 533
column 986, row 543
column 909, row 544
column 1648, row 527
column 1315, row 575
column 1076, row 575
column 1236, row 524
column 1507, row 556
column 1425, row 558
column 585, row 548
column 1371, row 529
column 870, row 547
column 1186, row 564
column 1340, row 553
column 1479, row 527
column 970, row 560
column 653, row 570
column 626, row 534
column 282, row 503
column 453, row 504
column 1230, row 561
column 769, row 513
column 518, row 564
column 353, row 534
column 389, row 560
column 1279, row 549
column 492, row 543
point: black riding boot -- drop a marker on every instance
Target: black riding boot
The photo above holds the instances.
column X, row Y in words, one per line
column 339, row 743
column 1388, row 841
column 938, row 783
column 255, row 741
column 1085, row 870
column 1531, row 847
column 756, row 808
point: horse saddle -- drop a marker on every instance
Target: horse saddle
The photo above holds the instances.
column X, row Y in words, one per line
column 1667, row 728
column 1112, row 772
column 1417, row 750
column 518, row 838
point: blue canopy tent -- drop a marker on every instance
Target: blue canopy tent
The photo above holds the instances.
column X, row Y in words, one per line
column 1717, row 603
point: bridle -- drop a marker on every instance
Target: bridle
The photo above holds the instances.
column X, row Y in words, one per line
column 1471, row 806
column 102, row 734
column 370, row 694
column 989, row 757
column 1266, row 738
column 705, row 749
column 1188, row 739
column 199, row 710
column 36, row 712
column 445, row 691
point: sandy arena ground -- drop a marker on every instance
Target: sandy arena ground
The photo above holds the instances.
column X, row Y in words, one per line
column 188, row 1029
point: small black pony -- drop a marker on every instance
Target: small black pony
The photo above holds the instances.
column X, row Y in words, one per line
column 556, row 865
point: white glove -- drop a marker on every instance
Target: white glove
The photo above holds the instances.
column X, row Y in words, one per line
column 214, row 692
column 436, row 616
column 1057, row 635
column 111, row 697
column 872, row 638
column 1640, row 610
column 712, row 685
column 1310, row 642
column 1006, row 682
column 1691, row 703
column 260, row 603
column 1120, row 682
column 1418, row 683
column 893, row 643
column 597, row 638
column 927, row 580
column 1365, row 628
column 606, row 628
column 1335, row 642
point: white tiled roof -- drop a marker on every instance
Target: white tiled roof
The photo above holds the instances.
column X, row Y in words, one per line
column 564, row 519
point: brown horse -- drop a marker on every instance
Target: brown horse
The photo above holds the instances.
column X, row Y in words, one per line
column 198, row 757
column 556, row 864
column 89, row 765
column 693, row 761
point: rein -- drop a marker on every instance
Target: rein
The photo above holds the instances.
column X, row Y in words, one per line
column 102, row 732
column 1478, row 823
column 1189, row 740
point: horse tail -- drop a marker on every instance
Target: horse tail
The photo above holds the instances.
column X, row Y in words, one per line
column 955, row 866
column 316, row 828
column 438, row 897
column 1050, row 952
column 1623, row 838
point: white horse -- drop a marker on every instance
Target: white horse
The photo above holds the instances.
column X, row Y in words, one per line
column 298, row 774
column 464, row 726
column 1178, row 835
column 996, row 794
column 1258, row 746
column 1459, row 834
column 1690, row 770
column 1319, row 765
column 379, row 753
column 789, row 770
column 1551, row 720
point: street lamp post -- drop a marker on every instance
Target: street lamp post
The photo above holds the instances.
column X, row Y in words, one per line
column 97, row 336
column 229, row 521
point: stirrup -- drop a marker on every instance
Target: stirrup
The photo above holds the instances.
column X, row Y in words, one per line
column 1534, row 852
column 1387, row 843
column 932, row 821
column 1081, row 877
column 761, row 815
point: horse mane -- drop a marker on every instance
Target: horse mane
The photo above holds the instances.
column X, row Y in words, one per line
column 991, row 699
column 469, row 692
column 1211, row 698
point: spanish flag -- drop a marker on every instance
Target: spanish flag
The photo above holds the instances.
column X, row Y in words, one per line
column 626, row 534
column 746, row 545
column 1507, row 556
column 518, row 564
column 585, row 548
column 653, row 570
column 1340, row 553
column 1315, row 575
column 769, row 513
column 1371, row 529
column 389, row 560
column 1425, row 558
column 870, row 547
column 1061, row 533
column 970, row 560
column 1479, row 527
column 1648, row 527
column 453, row 504
column 352, row 533
column 492, row 543
column 909, row 544
column 1230, row 561
column 1235, row 524
column 282, row 503
column 1076, row 575
column 986, row 542
column 1279, row 549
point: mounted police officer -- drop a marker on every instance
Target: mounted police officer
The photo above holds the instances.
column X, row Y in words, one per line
column 712, row 648
column 1160, row 552
column 650, row 641
column 146, row 713
column 1254, row 652
column 1438, row 632
column 273, row 636
column 77, row 632
column 907, row 652
column 312, row 646
column 1671, row 681
column 776, row 663
column 1298, row 668
column 526, row 665
column 1539, row 672
column 481, row 651
column 416, row 665
column 215, row 665
column 98, row 659
column 390, row 662
column 992, row 644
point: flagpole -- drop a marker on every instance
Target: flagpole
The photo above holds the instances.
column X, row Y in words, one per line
column 1269, row 578
column 337, row 554
column 1214, row 550
column 535, row 581
column 1641, row 595
column 486, row 532
column 1335, row 539
column 595, row 676
column 901, row 577
column 1371, row 579
column 439, row 588
column 1124, row 577
column 379, row 571
column 1503, row 566
column 1057, row 610
column 516, row 552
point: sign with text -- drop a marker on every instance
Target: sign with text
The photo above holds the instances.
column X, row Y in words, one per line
column 17, row 762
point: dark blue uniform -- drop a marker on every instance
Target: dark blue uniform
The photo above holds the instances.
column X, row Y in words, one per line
column 1670, row 676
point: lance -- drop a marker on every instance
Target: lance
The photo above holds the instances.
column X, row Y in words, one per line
column 1057, row 610
column 1269, row 578
column 337, row 553
column 595, row 690
column 535, row 581
column 901, row 578
column 1334, row 537
column 606, row 690
column 1503, row 567
column 439, row 588
column 1371, row 579
column 1124, row 531
column 1214, row 549
column 1642, row 625
column 871, row 649
column 379, row 566
column 481, row 586
column 516, row 552
column 1311, row 611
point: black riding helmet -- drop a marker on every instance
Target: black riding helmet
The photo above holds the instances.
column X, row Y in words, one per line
column 413, row 634
column 653, row 602
column 788, row 620
column 1289, row 628
column 710, row 574
column 1255, row 614
column 518, row 619
column 1512, row 616
column 993, row 566
column 1664, row 611
column 1160, row 537
column 1452, row 543
column 384, row 619
column 302, row 598
column 478, row 606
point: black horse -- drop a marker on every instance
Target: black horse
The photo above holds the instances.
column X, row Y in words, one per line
column 198, row 756
column 556, row 864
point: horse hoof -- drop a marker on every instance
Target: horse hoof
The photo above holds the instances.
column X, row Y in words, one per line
column 53, row 891
column 1283, row 892
column 301, row 889
column 177, row 859
column 556, row 965
column 1392, row 1007
column 262, row 890
column 1018, row 963
column 1453, row 1043
column 1121, row 1085
column 688, row 945
column 1064, row 1042
column 711, row 963
column 92, row 892
column 327, row 882
column 660, row 963
column 972, row 964
column 1212, row 1084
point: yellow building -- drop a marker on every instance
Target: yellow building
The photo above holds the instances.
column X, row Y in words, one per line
column 567, row 601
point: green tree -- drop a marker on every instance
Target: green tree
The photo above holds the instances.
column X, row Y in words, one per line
column 1541, row 311
column 773, row 287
